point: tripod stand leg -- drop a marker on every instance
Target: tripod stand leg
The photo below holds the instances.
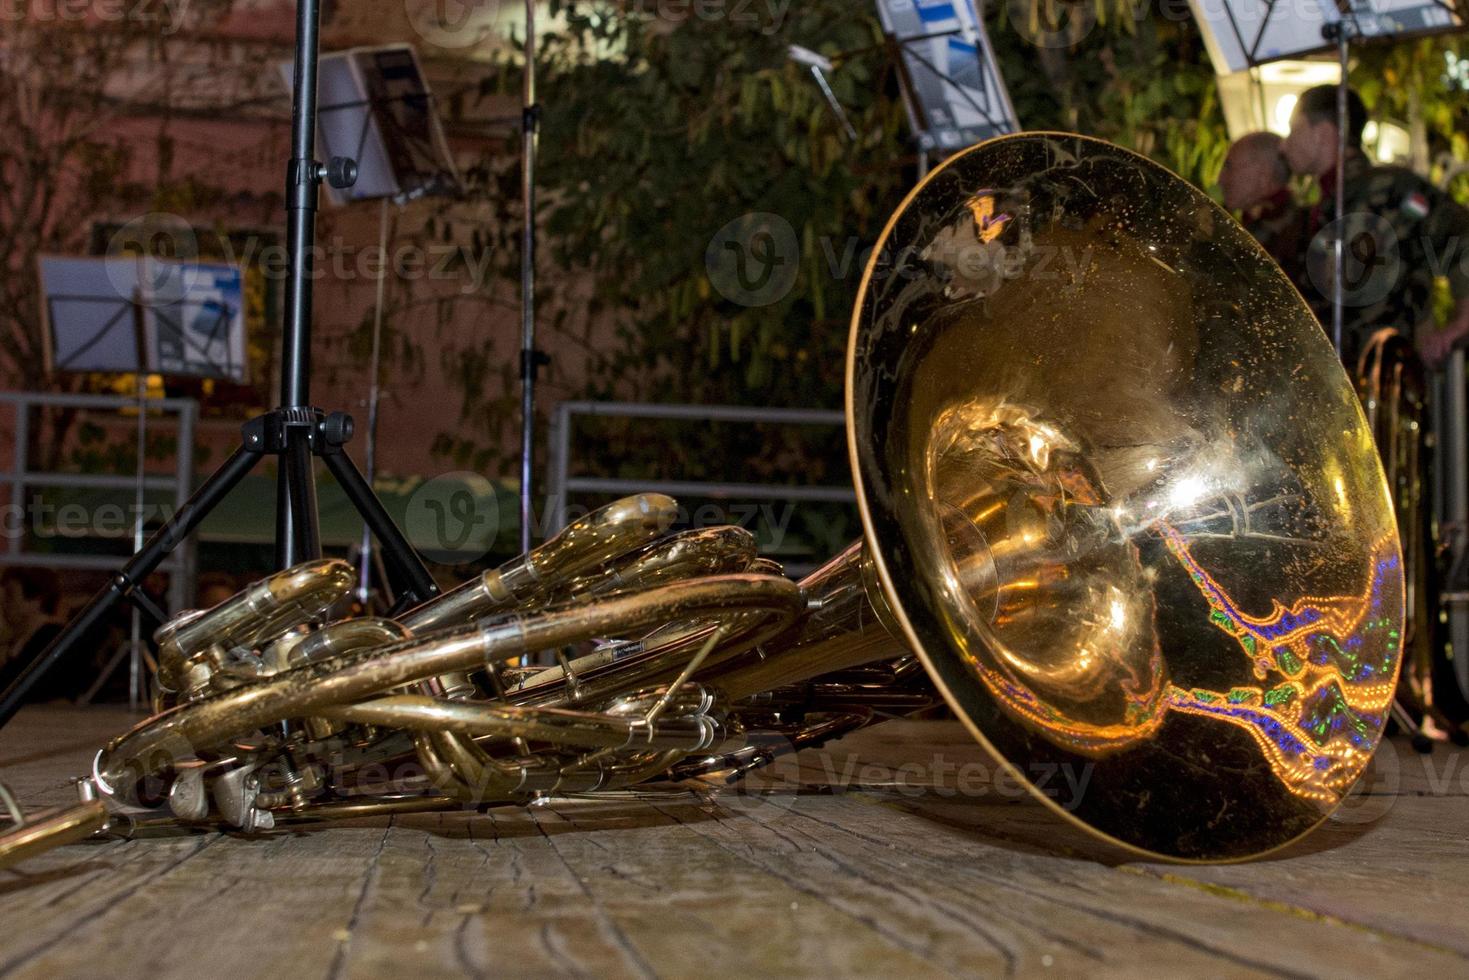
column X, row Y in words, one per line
column 297, row 535
column 146, row 604
column 395, row 547
column 125, row 584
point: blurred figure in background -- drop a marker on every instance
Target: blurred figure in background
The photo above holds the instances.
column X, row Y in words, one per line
column 30, row 606
column 1400, row 232
column 1255, row 182
column 216, row 587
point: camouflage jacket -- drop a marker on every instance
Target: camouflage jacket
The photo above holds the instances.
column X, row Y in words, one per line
column 1401, row 233
column 1280, row 226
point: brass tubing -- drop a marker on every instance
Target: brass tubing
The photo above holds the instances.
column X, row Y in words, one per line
column 371, row 806
column 303, row 690
column 483, row 778
column 51, row 828
column 547, row 724
column 440, row 774
column 584, row 545
column 264, row 610
column 662, row 658
column 703, row 551
column 847, row 624
column 581, row 546
column 347, row 636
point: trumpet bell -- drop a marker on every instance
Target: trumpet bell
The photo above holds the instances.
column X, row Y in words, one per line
column 1122, row 499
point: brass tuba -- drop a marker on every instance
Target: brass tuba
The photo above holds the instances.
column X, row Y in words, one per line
column 1122, row 512
column 1394, row 391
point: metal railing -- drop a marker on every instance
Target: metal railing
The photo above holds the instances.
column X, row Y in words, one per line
column 562, row 484
column 19, row 477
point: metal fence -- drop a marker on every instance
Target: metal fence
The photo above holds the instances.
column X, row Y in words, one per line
column 20, row 477
column 562, row 485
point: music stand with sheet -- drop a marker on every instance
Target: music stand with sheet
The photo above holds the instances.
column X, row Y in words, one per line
column 89, row 314
column 140, row 315
column 377, row 108
column 193, row 320
column 1244, row 34
column 951, row 85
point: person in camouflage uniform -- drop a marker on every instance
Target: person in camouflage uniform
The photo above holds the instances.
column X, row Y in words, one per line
column 1401, row 233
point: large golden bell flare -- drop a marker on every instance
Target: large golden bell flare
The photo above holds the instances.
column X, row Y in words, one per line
column 1122, row 498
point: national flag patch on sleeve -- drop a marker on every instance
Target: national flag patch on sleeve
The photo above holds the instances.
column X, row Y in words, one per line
column 1416, row 204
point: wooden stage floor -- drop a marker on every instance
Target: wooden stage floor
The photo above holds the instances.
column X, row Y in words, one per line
column 844, row 863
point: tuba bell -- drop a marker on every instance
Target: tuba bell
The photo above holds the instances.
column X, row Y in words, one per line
column 1121, row 509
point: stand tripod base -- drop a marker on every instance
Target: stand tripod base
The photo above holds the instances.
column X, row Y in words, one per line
column 296, row 435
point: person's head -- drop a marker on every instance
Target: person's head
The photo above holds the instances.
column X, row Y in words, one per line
column 1311, row 147
column 214, row 588
column 1253, row 171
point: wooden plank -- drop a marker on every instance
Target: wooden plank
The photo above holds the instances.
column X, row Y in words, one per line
column 857, row 861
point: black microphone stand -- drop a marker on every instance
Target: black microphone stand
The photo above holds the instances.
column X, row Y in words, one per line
column 295, row 432
column 1341, row 33
column 531, row 359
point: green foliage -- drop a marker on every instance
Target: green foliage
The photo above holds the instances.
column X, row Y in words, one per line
column 650, row 151
column 1410, row 81
column 1135, row 73
column 674, row 130
column 651, row 148
column 102, row 450
column 657, row 134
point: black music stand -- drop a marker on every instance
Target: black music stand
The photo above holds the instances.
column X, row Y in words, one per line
column 90, row 315
column 296, row 432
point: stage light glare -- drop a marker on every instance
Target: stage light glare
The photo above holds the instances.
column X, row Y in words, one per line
column 1284, row 106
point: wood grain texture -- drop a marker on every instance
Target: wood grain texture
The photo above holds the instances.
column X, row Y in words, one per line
column 892, row 853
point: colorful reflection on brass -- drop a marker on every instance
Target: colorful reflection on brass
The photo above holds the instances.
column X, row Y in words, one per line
column 1329, row 670
column 1327, row 665
column 987, row 225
